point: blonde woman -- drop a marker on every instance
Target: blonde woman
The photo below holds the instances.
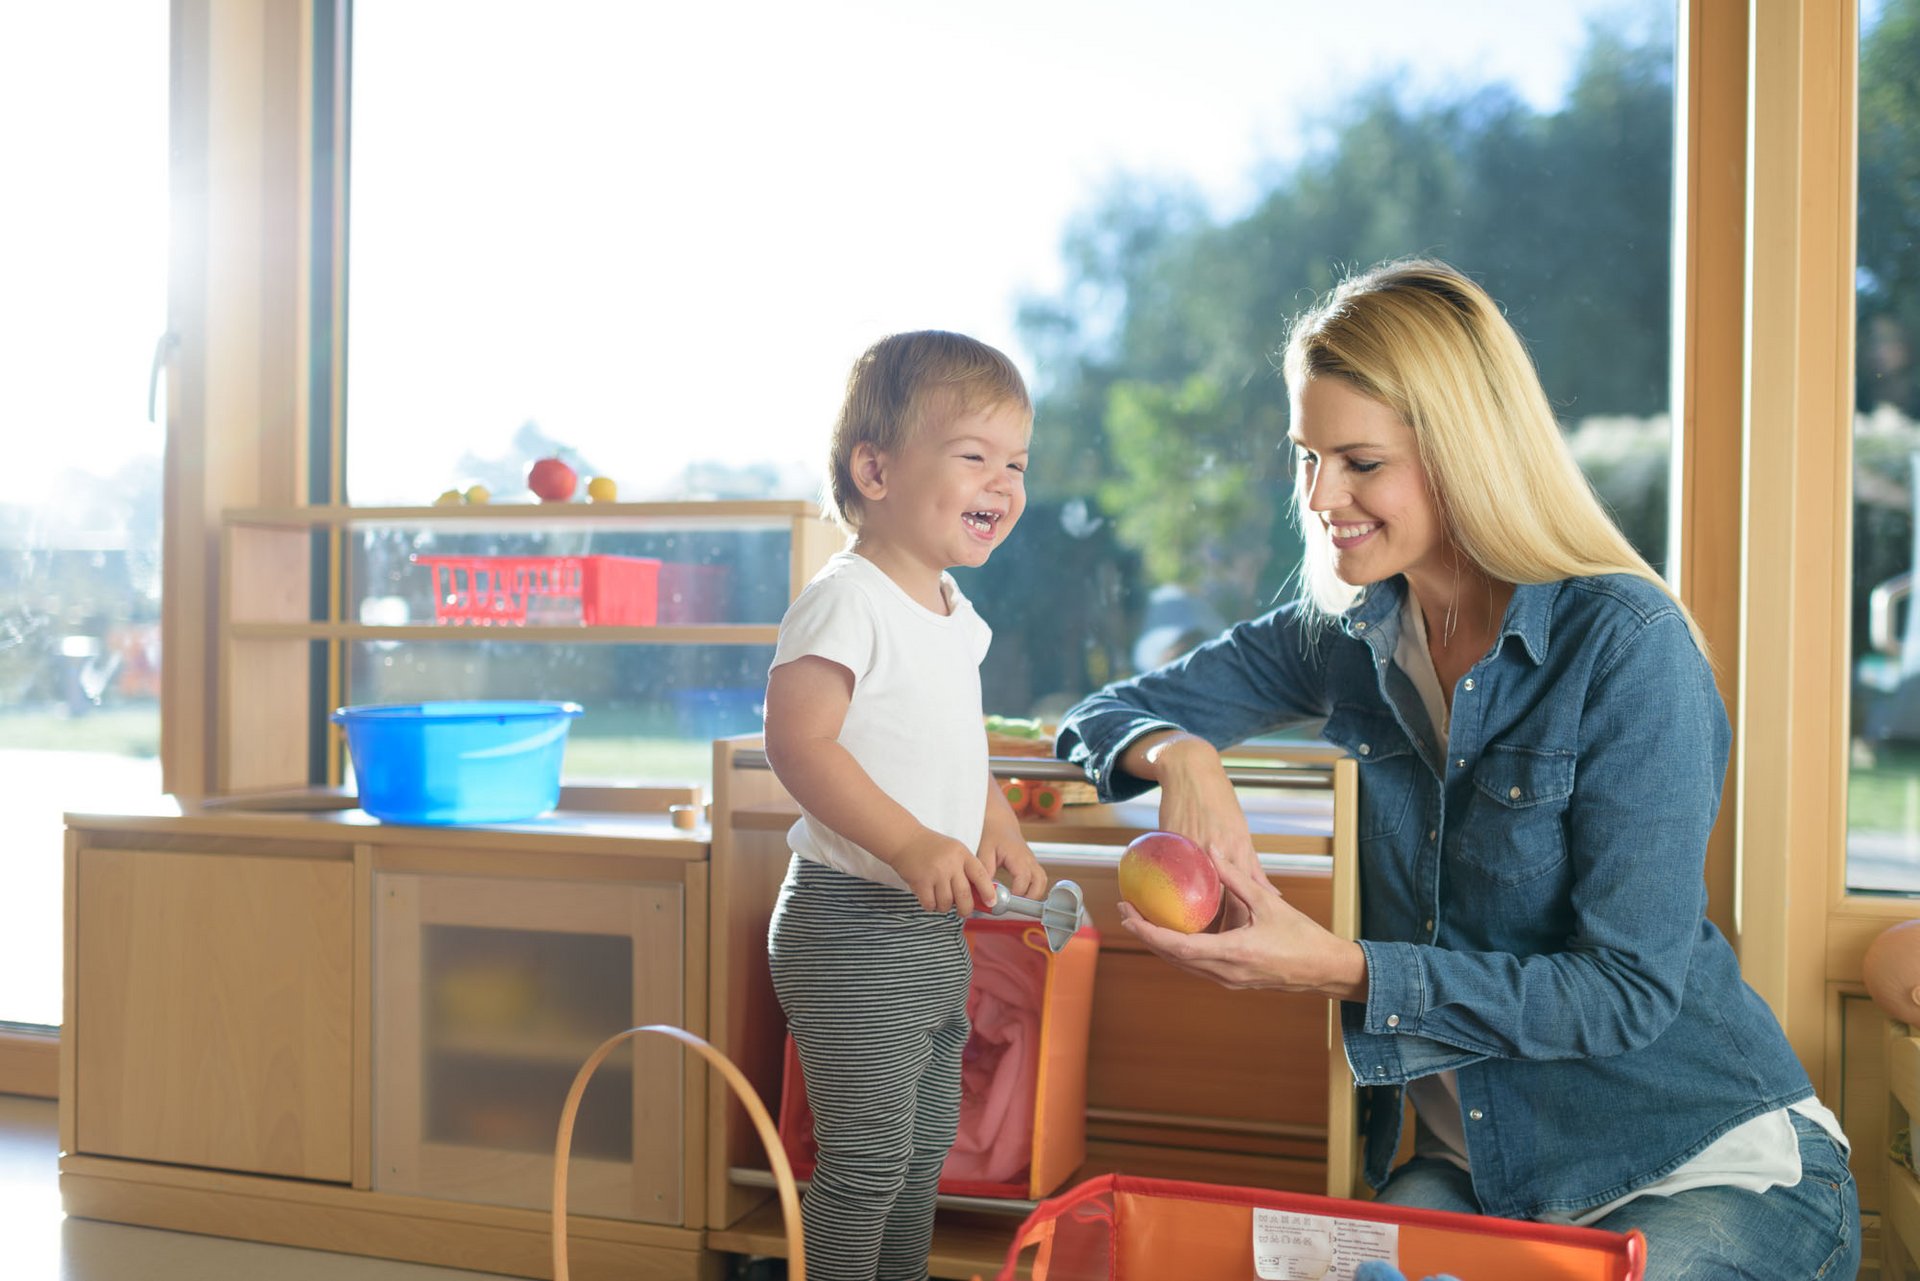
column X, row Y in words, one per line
column 1541, row 750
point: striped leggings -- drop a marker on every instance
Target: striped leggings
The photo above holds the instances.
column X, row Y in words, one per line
column 875, row 992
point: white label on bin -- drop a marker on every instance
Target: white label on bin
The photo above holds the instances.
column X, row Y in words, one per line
column 1288, row 1246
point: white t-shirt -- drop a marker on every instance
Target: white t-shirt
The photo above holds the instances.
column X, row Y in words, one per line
column 915, row 720
column 1755, row 1155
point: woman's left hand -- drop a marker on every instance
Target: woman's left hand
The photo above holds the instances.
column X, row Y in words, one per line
column 1278, row 947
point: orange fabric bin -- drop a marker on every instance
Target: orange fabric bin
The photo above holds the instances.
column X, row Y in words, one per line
column 1117, row 1227
column 1060, row 985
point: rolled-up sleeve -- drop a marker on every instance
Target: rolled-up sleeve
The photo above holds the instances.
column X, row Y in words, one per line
column 1256, row 677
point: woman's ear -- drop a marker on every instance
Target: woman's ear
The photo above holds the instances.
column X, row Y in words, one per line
column 869, row 468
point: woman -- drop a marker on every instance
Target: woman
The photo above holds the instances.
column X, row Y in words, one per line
column 1541, row 751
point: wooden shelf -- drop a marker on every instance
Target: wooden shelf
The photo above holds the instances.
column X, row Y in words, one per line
column 689, row 514
column 665, row 634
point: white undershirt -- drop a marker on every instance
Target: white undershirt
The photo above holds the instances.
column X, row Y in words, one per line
column 1755, row 1155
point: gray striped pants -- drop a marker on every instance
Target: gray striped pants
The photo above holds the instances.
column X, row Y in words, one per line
column 875, row 992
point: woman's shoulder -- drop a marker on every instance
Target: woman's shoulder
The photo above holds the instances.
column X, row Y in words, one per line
column 1628, row 598
column 1622, row 612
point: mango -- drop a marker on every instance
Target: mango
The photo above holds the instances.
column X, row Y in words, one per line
column 1171, row 881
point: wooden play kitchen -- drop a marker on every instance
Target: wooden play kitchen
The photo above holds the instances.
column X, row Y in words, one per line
column 286, row 1021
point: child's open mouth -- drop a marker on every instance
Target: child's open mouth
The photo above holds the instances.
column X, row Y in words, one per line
column 981, row 523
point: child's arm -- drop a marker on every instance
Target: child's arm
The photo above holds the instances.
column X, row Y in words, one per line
column 1002, row 845
column 807, row 703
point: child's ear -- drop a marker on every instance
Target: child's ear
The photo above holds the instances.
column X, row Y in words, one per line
column 869, row 468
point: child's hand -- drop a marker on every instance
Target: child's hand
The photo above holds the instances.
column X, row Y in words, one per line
column 942, row 873
column 1003, row 848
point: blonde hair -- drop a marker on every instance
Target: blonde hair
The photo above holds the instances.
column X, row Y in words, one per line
column 1425, row 341
column 900, row 384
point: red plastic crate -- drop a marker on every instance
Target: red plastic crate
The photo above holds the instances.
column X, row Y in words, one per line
column 613, row 591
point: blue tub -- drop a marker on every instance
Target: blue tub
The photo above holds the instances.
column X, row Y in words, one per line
column 457, row 762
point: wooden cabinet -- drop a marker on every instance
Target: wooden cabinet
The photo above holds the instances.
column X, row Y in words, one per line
column 218, row 1024
column 1185, row 1079
column 489, row 993
column 318, row 1030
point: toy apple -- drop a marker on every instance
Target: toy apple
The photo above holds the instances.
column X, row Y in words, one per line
column 602, row 489
column 1171, row 881
column 551, row 480
column 477, row 494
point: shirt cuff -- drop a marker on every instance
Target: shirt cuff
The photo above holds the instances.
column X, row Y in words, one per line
column 1382, row 1037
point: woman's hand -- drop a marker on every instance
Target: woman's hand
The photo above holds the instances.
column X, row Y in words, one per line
column 1198, row 802
column 1278, row 946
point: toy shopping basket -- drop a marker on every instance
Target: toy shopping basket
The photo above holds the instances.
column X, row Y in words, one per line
column 742, row 1088
column 1117, row 1226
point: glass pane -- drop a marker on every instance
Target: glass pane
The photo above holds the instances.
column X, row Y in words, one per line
column 1883, row 788
column 568, row 576
column 653, row 239
column 84, row 262
column 652, row 711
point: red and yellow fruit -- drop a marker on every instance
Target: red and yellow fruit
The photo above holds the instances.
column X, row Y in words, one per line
column 1171, row 881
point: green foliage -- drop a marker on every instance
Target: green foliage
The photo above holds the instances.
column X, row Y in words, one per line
column 1889, row 244
column 1162, row 399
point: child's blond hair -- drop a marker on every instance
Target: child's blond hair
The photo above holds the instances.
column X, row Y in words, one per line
column 898, row 385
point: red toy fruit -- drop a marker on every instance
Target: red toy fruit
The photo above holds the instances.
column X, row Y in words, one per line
column 551, row 480
column 1171, row 881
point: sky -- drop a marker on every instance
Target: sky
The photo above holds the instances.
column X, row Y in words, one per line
column 664, row 231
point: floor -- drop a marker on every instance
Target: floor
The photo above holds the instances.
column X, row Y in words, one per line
column 44, row 1245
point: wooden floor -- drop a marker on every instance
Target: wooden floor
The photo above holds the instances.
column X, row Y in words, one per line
column 44, row 1245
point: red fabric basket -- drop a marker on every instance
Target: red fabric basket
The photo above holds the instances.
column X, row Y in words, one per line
column 1116, row 1227
column 1061, row 991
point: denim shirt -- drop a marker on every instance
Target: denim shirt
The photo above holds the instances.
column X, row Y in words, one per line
column 1533, row 905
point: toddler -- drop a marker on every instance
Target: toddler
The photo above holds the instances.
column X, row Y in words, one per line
column 874, row 726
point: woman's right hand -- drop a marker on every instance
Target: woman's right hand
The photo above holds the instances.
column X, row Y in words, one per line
column 1198, row 802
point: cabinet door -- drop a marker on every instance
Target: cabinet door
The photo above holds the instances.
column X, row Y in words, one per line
column 488, row 995
column 213, row 1011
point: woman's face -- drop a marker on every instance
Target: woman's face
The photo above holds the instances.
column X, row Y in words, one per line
column 1358, row 475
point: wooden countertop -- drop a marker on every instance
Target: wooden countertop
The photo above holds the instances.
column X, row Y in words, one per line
column 331, row 815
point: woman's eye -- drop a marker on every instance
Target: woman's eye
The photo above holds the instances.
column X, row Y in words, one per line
column 1363, row 467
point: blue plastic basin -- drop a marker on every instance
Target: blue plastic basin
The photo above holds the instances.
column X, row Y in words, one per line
column 458, row 761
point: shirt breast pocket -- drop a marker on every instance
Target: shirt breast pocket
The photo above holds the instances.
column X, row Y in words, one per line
column 1387, row 767
column 1516, row 822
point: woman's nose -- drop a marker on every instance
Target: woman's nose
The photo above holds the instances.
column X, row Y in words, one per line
column 1323, row 494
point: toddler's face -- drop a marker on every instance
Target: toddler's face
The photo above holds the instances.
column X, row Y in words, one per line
column 955, row 489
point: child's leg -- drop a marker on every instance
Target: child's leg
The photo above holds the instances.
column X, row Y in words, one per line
column 909, row 1235
column 868, row 981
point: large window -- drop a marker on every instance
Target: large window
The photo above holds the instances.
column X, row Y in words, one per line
column 1883, row 801
column 84, row 261
column 652, row 240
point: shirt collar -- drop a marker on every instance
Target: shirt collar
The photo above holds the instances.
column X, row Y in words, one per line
column 1529, row 615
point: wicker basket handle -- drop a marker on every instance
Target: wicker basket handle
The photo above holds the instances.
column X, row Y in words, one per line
column 742, row 1088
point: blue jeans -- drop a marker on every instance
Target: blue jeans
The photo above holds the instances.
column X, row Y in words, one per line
column 1810, row 1230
